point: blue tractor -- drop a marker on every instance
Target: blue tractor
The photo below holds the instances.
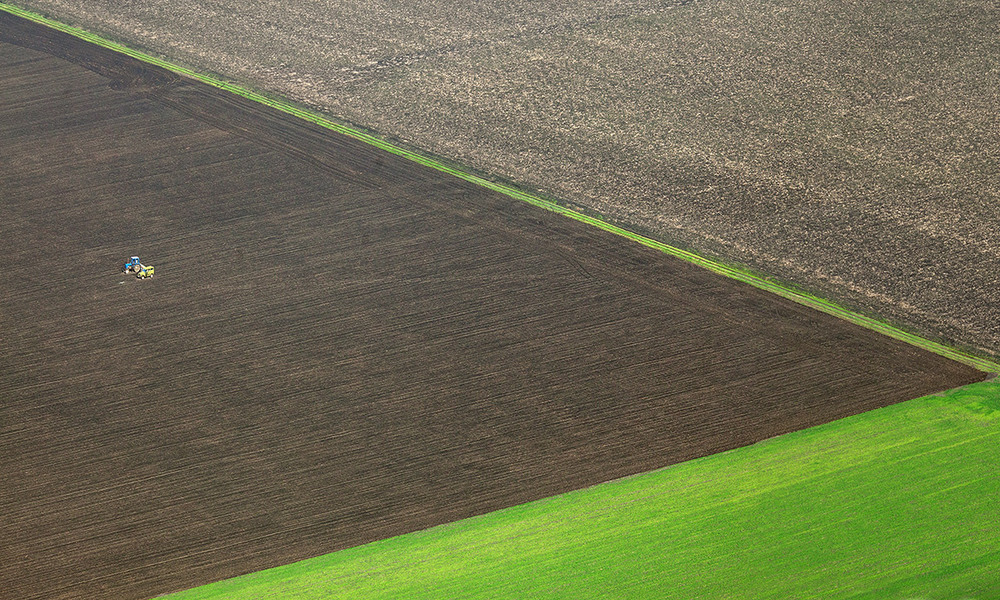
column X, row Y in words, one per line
column 132, row 266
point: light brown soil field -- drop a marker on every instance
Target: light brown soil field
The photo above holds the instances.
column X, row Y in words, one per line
column 851, row 147
column 338, row 345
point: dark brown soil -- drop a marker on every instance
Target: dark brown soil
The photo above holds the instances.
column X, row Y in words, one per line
column 338, row 345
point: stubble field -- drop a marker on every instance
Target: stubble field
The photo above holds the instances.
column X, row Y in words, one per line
column 338, row 346
column 848, row 148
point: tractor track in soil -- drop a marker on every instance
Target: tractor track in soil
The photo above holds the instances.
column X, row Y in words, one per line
column 339, row 345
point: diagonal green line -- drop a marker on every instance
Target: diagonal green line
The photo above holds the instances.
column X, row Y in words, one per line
column 733, row 272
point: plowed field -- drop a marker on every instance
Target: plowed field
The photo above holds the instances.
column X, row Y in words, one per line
column 338, row 345
column 848, row 147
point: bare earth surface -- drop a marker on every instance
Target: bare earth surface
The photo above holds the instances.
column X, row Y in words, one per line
column 850, row 148
column 338, row 345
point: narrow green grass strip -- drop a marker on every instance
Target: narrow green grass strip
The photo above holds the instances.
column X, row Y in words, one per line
column 898, row 502
column 733, row 272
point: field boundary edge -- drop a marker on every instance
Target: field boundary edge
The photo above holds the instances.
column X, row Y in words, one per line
column 782, row 289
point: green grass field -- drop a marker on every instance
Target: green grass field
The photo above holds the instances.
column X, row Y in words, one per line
column 895, row 503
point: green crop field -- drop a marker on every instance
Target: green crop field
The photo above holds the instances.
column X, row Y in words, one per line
column 894, row 503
